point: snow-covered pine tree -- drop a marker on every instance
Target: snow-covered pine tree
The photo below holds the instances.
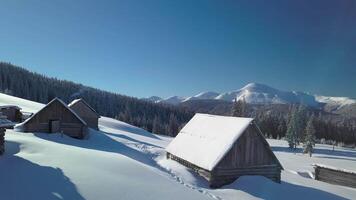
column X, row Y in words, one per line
column 309, row 139
column 239, row 108
column 301, row 123
column 291, row 134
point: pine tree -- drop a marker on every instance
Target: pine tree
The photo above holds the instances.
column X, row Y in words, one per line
column 301, row 123
column 156, row 126
column 239, row 108
column 291, row 134
column 172, row 125
column 309, row 140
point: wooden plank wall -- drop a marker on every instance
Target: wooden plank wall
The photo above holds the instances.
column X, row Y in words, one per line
column 90, row 117
column 335, row 176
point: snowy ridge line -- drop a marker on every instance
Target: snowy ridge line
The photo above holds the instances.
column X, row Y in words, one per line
column 152, row 155
column 256, row 93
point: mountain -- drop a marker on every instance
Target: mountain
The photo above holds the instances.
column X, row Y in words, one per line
column 154, row 99
column 261, row 94
column 174, row 100
column 203, row 96
column 255, row 93
column 336, row 102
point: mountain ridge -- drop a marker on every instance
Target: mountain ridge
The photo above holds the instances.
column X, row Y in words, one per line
column 257, row 93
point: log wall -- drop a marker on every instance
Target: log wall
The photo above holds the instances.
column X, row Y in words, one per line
column 86, row 113
column 334, row 176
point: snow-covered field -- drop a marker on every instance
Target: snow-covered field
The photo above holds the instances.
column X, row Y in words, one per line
column 124, row 162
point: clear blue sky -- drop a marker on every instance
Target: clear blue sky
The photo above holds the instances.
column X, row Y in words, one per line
column 182, row 47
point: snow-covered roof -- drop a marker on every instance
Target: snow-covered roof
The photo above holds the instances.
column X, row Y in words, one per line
column 64, row 104
column 4, row 123
column 75, row 101
column 10, row 106
column 206, row 139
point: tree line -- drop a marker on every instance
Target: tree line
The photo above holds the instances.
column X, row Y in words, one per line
column 157, row 118
column 298, row 125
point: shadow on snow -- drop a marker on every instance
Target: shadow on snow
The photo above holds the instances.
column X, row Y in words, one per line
column 22, row 179
column 329, row 152
column 101, row 142
column 266, row 189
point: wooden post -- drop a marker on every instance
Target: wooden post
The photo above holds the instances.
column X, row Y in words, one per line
column 2, row 140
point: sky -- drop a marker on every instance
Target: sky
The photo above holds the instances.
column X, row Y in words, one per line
column 159, row 47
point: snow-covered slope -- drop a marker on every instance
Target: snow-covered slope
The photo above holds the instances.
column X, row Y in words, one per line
column 203, row 96
column 125, row 162
column 154, row 99
column 174, row 100
column 337, row 102
column 262, row 94
column 26, row 105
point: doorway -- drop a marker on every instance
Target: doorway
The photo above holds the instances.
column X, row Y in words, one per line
column 54, row 126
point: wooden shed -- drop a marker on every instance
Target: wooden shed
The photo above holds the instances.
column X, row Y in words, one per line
column 13, row 113
column 221, row 149
column 335, row 176
column 86, row 112
column 4, row 124
column 56, row 117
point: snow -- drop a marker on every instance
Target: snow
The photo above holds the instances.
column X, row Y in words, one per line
column 125, row 162
column 203, row 96
column 26, row 105
column 207, row 138
column 74, row 102
column 174, row 100
column 154, row 99
column 339, row 102
column 334, row 168
column 254, row 93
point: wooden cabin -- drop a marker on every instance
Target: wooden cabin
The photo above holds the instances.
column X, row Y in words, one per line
column 56, row 117
column 221, row 149
column 86, row 112
column 335, row 176
column 13, row 113
column 4, row 124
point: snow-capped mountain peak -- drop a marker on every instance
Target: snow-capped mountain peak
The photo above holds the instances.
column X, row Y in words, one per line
column 203, row 95
column 257, row 93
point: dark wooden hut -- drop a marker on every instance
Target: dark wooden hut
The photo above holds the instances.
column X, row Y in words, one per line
column 4, row 124
column 86, row 112
column 13, row 113
column 335, row 176
column 221, row 149
column 56, row 117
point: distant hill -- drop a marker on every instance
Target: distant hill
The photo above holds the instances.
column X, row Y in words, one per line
column 22, row 83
